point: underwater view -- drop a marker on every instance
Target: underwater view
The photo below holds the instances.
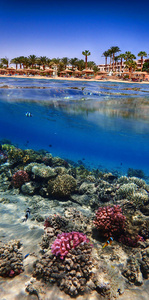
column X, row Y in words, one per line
column 74, row 189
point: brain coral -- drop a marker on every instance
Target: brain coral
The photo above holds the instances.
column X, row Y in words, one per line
column 62, row 186
column 110, row 220
column 19, row 178
column 67, row 241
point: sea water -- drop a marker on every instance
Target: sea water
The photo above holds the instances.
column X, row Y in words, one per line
column 103, row 125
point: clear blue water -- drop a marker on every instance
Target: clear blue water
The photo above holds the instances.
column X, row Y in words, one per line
column 103, row 124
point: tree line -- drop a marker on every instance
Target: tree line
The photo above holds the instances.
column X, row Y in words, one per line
column 32, row 61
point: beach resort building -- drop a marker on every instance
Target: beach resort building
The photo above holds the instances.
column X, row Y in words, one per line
column 119, row 66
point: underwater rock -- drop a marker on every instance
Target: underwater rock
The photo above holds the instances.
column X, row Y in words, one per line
column 62, row 186
column 29, row 188
column 81, row 199
column 11, row 259
column 87, row 188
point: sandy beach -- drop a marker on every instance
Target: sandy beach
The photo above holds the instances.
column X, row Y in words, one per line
column 73, row 79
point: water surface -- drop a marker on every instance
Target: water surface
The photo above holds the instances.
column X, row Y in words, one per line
column 104, row 125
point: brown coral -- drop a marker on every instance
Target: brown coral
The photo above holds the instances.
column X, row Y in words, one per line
column 11, row 259
column 70, row 274
column 62, row 186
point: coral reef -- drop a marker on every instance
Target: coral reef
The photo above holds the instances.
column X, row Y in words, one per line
column 129, row 241
column 67, row 241
column 19, row 178
column 40, row 170
column 62, row 186
column 56, row 222
column 71, row 274
column 110, row 221
column 11, row 259
column 135, row 172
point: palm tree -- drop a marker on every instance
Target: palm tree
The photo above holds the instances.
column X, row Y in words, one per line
column 73, row 62
column 146, row 66
column 106, row 55
column 20, row 60
column 5, row 61
column 91, row 64
column 65, row 61
column 15, row 61
column 43, row 61
column 116, row 59
column 121, row 57
column 142, row 53
column 114, row 50
column 131, row 65
column 25, row 62
column 129, row 56
column 80, row 64
column 110, row 55
column 86, row 53
column 32, row 60
column 49, row 62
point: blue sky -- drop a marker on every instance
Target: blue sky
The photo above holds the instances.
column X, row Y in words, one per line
column 66, row 28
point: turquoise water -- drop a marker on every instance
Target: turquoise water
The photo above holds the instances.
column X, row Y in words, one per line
column 104, row 125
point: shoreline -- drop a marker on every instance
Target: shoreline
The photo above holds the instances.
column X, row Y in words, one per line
column 73, row 79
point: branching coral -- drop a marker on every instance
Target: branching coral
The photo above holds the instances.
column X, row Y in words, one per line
column 110, row 221
column 67, row 241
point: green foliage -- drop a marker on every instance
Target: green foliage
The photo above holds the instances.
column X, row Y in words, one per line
column 142, row 53
column 146, row 66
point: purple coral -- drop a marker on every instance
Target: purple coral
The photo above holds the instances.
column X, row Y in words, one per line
column 110, row 220
column 19, row 178
column 67, row 241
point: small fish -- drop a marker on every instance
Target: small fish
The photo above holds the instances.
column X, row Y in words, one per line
column 27, row 215
column 26, row 255
column 28, row 114
column 108, row 242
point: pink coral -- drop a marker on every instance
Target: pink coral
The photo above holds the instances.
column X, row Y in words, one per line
column 19, row 178
column 131, row 242
column 67, row 241
column 110, row 220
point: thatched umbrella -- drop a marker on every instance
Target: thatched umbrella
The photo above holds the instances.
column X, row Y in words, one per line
column 21, row 71
column 77, row 72
column 68, row 71
column 3, row 71
column 11, row 70
column 87, row 71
